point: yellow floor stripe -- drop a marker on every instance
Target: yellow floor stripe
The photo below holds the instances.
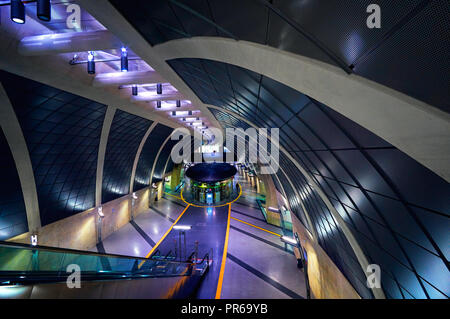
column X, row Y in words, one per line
column 257, row 227
column 224, row 256
column 172, row 195
column 164, row 236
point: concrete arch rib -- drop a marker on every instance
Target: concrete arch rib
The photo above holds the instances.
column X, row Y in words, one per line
column 138, row 154
column 109, row 116
column 414, row 127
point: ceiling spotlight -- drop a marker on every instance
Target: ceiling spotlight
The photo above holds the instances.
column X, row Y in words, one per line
column 124, row 60
column 158, row 104
column 91, row 63
column 44, row 10
column 159, row 88
column 17, row 11
column 134, row 90
column 178, row 103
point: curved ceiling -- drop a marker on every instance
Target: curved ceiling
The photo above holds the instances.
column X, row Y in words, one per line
column 387, row 199
column 335, row 32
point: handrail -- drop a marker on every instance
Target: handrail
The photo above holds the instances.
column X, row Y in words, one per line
column 156, row 252
column 168, row 254
column 65, row 250
column 74, row 251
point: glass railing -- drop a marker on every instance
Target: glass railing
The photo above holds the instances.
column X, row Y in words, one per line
column 20, row 263
column 262, row 208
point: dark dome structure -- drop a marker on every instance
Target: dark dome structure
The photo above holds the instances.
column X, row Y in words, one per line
column 211, row 172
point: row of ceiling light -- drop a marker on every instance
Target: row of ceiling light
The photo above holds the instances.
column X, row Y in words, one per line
column 124, row 68
column 43, row 12
column 134, row 87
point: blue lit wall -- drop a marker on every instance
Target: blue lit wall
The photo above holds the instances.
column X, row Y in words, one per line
column 148, row 154
column 126, row 133
column 62, row 132
column 13, row 217
column 162, row 160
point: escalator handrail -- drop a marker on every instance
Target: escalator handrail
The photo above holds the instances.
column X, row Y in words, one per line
column 29, row 277
column 65, row 250
column 73, row 251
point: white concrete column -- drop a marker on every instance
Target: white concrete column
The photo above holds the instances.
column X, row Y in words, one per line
column 18, row 146
column 154, row 165
column 101, row 153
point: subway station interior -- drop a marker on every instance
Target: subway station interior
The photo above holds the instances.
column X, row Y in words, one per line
column 348, row 198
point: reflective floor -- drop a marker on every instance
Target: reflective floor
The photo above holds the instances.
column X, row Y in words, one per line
column 258, row 265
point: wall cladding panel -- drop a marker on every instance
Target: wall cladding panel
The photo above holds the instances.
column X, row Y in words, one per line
column 382, row 194
column 13, row 216
column 150, row 149
column 162, row 159
column 62, row 132
column 126, row 133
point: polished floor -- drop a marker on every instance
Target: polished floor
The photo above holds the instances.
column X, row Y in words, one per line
column 257, row 265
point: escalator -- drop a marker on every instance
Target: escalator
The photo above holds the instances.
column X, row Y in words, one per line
column 45, row 272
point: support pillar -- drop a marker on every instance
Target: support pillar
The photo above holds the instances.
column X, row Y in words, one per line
column 176, row 176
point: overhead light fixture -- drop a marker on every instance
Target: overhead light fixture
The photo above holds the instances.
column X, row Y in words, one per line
column 44, row 10
column 17, row 11
column 159, row 88
column 158, row 104
column 178, row 103
column 123, row 59
column 134, row 90
column 182, row 227
column 91, row 63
